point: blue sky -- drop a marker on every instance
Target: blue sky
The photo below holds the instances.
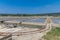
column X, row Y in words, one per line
column 29, row 6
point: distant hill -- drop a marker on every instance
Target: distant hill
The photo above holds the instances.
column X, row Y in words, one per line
column 52, row 14
column 48, row 14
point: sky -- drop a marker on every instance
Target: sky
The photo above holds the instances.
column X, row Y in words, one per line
column 29, row 6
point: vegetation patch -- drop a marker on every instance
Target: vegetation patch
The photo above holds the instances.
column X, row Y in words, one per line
column 54, row 34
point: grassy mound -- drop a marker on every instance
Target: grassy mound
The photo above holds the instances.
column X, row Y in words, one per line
column 54, row 34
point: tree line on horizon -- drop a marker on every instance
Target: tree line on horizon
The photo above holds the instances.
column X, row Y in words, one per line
column 47, row 14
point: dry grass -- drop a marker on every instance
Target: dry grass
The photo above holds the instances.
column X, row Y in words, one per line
column 54, row 34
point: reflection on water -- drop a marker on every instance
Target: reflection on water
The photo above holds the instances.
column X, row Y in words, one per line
column 41, row 20
column 56, row 20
